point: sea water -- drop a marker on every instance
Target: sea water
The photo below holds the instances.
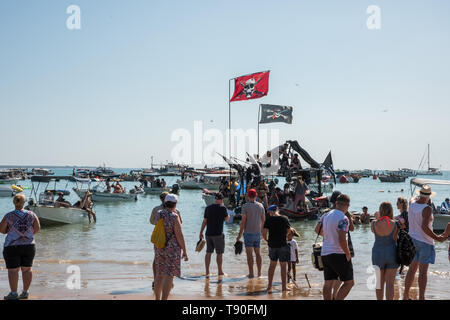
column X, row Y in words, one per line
column 114, row 256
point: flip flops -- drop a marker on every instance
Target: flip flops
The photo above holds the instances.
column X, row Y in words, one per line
column 238, row 247
column 200, row 244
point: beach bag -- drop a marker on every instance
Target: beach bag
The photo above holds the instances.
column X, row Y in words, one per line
column 316, row 255
column 405, row 248
column 159, row 235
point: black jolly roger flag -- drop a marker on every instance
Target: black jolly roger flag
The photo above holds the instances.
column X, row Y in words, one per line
column 328, row 164
column 273, row 113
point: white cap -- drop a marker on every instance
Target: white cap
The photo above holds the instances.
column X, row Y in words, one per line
column 171, row 198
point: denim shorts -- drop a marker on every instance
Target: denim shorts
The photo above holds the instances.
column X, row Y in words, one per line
column 282, row 254
column 252, row 240
column 425, row 253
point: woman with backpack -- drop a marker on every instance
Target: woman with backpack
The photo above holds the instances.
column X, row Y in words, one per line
column 384, row 251
column 167, row 258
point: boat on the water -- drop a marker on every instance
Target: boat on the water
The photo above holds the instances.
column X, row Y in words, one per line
column 440, row 220
column 210, row 198
column 45, row 208
column 100, row 193
column 205, row 181
column 391, row 177
column 430, row 171
column 6, row 191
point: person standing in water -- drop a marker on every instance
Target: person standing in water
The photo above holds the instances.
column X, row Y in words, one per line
column 19, row 250
column 275, row 231
column 384, row 250
column 215, row 215
column 336, row 257
column 253, row 217
column 420, row 218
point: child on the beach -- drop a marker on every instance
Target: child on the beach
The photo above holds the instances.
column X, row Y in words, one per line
column 294, row 254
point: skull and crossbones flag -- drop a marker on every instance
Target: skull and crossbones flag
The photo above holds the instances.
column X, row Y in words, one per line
column 273, row 113
column 252, row 86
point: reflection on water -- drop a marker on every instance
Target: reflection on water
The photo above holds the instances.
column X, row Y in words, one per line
column 115, row 254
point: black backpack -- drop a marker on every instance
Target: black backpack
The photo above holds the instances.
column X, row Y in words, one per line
column 405, row 248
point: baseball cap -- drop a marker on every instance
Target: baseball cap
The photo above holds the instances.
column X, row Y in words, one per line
column 273, row 208
column 171, row 198
column 252, row 193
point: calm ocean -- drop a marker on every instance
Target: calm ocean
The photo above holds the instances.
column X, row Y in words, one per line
column 114, row 255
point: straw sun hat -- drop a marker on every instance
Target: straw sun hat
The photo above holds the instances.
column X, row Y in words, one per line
column 425, row 191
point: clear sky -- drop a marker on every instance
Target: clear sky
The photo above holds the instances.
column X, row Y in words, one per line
column 115, row 90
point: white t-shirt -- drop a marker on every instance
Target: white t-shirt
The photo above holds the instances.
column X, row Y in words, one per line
column 332, row 222
column 294, row 247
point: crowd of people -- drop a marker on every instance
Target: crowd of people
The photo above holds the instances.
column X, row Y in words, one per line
column 261, row 222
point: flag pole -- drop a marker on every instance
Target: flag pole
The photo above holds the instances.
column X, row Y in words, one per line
column 229, row 123
column 259, row 115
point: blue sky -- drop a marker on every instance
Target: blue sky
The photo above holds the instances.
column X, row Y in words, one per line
column 115, row 90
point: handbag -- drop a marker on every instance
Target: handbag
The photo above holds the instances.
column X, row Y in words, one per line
column 316, row 255
column 159, row 234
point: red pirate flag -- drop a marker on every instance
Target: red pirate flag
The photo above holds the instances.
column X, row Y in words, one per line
column 252, row 86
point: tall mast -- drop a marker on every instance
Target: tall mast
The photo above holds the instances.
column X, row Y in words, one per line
column 428, row 157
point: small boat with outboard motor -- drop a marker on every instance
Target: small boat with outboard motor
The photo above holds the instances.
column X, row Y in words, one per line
column 440, row 220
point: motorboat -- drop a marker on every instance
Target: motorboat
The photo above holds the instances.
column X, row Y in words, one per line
column 440, row 220
column 103, row 172
column 6, row 191
column 156, row 190
column 42, row 172
column 205, row 181
column 44, row 206
column 392, row 177
column 99, row 192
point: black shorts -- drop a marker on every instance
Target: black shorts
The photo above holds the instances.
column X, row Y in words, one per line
column 336, row 266
column 282, row 254
column 19, row 256
column 215, row 242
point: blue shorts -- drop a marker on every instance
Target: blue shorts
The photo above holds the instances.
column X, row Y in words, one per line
column 425, row 253
column 252, row 240
column 282, row 254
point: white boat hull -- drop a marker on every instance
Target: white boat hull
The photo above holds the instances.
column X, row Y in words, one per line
column 198, row 185
column 440, row 221
column 52, row 215
column 107, row 197
column 6, row 192
column 156, row 191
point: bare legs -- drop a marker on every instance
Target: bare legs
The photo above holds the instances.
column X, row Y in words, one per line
column 207, row 262
column 218, row 260
column 272, row 266
column 249, row 252
column 163, row 285
column 342, row 291
column 423, row 270
column 13, row 277
column 27, row 276
column 387, row 278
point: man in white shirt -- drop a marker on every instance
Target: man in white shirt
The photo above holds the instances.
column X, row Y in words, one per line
column 336, row 257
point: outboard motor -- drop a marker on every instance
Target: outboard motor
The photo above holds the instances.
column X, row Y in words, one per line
column 175, row 188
